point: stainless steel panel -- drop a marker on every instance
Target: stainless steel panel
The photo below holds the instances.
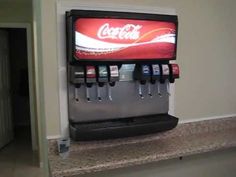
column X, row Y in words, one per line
column 126, row 102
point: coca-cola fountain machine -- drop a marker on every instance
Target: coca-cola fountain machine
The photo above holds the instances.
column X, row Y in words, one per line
column 119, row 73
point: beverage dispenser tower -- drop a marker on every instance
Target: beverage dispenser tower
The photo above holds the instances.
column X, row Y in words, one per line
column 119, row 73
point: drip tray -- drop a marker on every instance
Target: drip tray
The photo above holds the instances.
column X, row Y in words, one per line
column 125, row 127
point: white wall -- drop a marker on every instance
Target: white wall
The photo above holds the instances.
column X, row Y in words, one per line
column 206, row 54
column 207, row 58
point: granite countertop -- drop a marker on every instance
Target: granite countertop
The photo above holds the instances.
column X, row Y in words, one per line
column 186, row 139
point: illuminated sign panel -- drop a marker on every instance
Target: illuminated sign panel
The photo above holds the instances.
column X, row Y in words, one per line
column 124, row 39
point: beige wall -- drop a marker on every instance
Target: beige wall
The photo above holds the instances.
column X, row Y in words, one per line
column 206, row 54
column 15, row 11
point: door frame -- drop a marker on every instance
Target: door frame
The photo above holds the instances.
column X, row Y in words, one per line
column 31, row 75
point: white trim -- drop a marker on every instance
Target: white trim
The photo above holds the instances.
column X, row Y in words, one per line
column 30, row 62
column 63, row 6
column 54, row 137
column 207, row 118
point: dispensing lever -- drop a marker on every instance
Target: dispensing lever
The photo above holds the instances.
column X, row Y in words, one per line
column 102, row 78
column 159, row 90
column 165, row 77
column 174, row 74
column 88, row 94
column 99, row 94
column 142, row 74
column 149, row 89
column 168, row 87
column 140, row 92
column 155, row 77
column 109, row 92
column 77, row 77
column 90, row 80
column 113, row 78
column 77, row 92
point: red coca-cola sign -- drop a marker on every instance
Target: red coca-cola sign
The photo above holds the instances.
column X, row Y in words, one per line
column 124, row 39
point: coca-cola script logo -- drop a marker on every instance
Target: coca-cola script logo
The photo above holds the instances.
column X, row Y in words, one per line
column 128, row 31
column 124, row 39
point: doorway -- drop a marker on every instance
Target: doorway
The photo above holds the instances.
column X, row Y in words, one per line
column 19, row 84
column 15, row 108
column 18, row 147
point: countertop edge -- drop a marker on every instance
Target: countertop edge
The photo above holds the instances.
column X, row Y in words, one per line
column 135, row 162
column 218, row 135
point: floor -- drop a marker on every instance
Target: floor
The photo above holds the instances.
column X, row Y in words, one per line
column 17, row 158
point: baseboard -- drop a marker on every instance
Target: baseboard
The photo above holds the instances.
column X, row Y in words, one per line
column 206, row 118
column 51, row 137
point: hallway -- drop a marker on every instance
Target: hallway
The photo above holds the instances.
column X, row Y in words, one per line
column 17, row 158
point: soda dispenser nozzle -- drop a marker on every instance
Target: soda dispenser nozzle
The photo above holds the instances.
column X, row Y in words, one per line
column 77, row 86
column 87, row 92
column 113, row 78
column 99, row 92
column 168, row 87
column 149, row 89
column 102, row 78
column 77, row 77
column 165, row 78
column 109, row 92
column 155, row 77
column 159, row 90
column 140, row 92
column 142, row 74
column 90, row 80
